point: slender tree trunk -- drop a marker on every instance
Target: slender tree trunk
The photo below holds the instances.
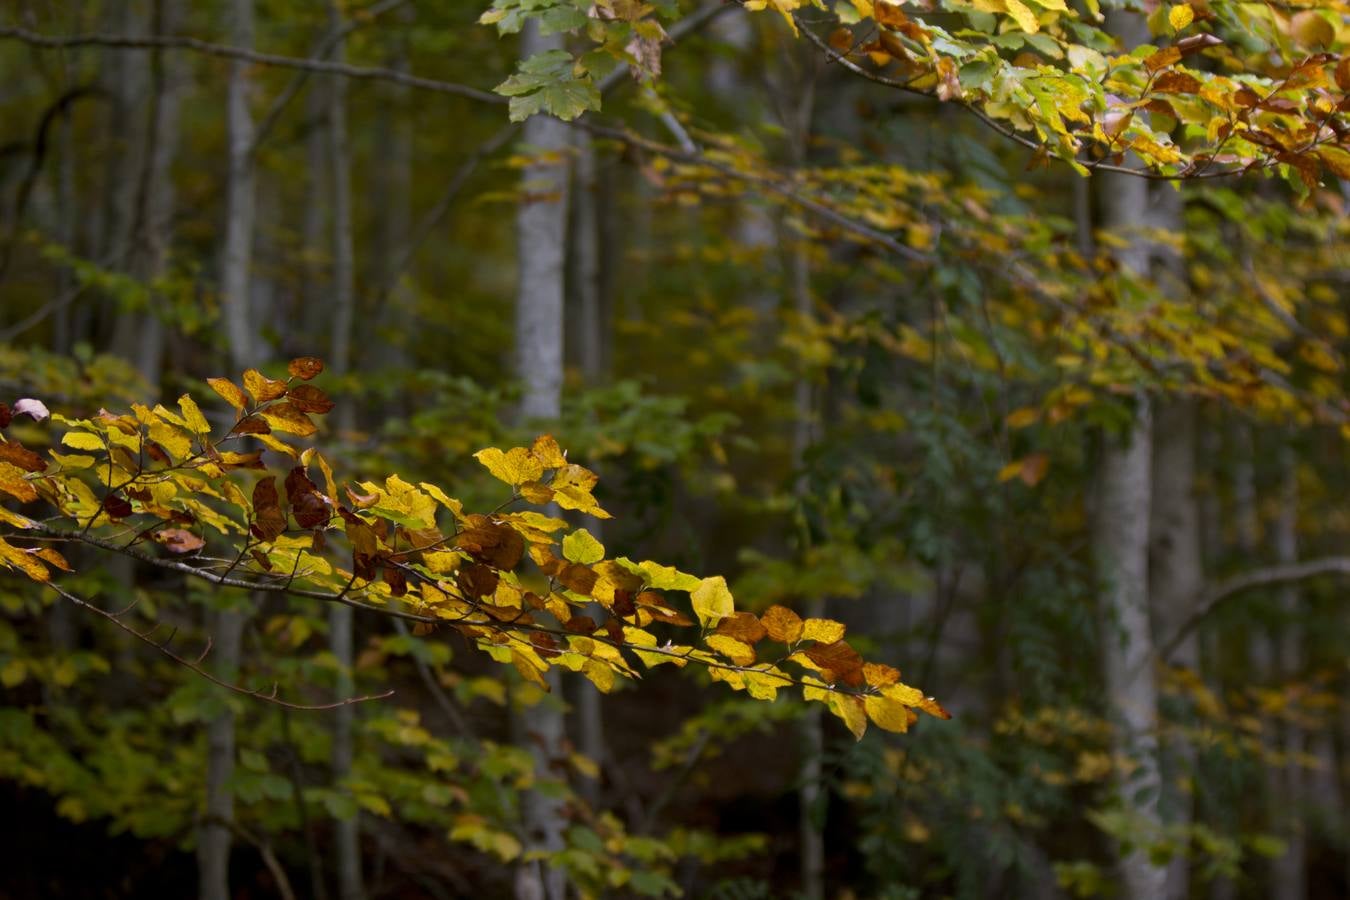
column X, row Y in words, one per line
column 213, row 841
column 1120, row 541
column 213, row 852
column 1289, row 877
column 316, row 247
column 393, row 206
column 346, row 831
column 591, row 335
column 541, row 236
column 141, row 336
column 237, row 255
column 1176, row 558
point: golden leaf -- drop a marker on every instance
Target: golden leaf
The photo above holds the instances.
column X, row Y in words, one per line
column 887, row 713
column 738, row 651
column 229, row 392
column 827, row 631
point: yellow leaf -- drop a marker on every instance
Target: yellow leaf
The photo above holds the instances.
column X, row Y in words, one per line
column 229, row 392
column 827, row 631
column 903, row 694
column 739, row 652
column 515, row 467
column 712, row 601
column 547, row 451
column 263, row 388
column 850, row 709
column 581, row 547
column 878, row 675
column 1180, row 16
column 600, row 673
column 196, row 422
column 14, row 558
column 82, row 440
column 1026, row 19
column 13, row 483
column 887, row 713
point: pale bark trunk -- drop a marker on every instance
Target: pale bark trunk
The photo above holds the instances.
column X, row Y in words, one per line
column 214, row 837
column 1120, row 547
column 313, row 227
column 140, row 337
column 591, row 341
column 1176, row 558
column 237, row 255
column 347, row 832
column 213, row 852
column 541, row 235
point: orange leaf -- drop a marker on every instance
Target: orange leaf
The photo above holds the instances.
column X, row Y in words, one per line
column 305, row 367
column 782, row 624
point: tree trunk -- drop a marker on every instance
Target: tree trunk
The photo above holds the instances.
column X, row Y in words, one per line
column 1120, row 538
column 347, row 833
column 141, row 336
column 237, row 255
column 541, row 236
column 214, row 837
column 213, row 852
column 1289, row 877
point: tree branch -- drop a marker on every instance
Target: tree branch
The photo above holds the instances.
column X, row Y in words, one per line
column 196, row 665
column 225, row 51
column 1282, row 573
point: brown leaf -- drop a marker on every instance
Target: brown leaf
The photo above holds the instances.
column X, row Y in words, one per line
column 580, row 625
column 6, row 415
column 17, row 454
column 397, row 581
column 1175, row 82
column 841, row 41
column 308, row 398
column 545, row 645
column 13, row 483
column 743, row 626
column 307, row 505
column 614, row 628
column 1342, row 82
column 251, row 425
column 305, row 367
column 261, row 560
column 1163, row 58
column 179, row 540
column 889, row 15
column 623, row 604
column 839, row 661
column 116, row 507
column 263, row 388
column 498, row 545
column 578, row 578
column 268, row 519
column 477, row 580
column 782, row 624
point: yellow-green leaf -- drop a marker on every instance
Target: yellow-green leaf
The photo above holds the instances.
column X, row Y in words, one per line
column 712, row 601
column 581, row 547
column 82, row 440
column 1026, row 19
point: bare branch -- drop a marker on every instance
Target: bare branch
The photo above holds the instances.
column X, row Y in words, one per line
column 196, row 667
column 224, row 51
column 1245, row 581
